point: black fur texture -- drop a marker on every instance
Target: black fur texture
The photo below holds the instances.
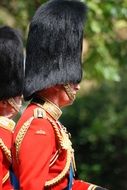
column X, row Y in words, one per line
column 54, row 45
column 11, row 63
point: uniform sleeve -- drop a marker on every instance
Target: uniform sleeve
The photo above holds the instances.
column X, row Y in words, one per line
column 34, row 155
column 82, row 185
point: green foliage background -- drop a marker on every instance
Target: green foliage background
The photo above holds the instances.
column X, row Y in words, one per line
column 97, row 120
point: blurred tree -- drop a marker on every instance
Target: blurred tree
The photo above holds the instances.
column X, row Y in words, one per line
column 106, row 33
column 18, row 13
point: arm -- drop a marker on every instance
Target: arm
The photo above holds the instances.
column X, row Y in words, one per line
column 82, row 185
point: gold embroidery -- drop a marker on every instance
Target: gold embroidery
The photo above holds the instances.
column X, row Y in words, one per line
column 54, row 158
column 25, row 127
column 63, row 172
column 5, row 178
column 69, row 92
column 7, row 123
column 21, row 135
column 39, row 113
column 51, row 108
column 63, row 139
column 92, row 187
column 40, row 132
column 6, row 150
column 66, row 146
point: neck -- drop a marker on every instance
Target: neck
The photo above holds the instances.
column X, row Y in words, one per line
column 51, row 108
column 50, row 97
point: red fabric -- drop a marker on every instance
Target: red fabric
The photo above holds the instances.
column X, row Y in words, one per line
column 80, row 185
column 6, row 137
column 36, row 150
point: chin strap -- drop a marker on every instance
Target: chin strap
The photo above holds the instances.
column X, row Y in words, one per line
column 69, row 92
column 13, row 103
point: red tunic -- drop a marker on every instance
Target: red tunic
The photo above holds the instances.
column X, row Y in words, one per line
column 37, row 156
column 6, row 127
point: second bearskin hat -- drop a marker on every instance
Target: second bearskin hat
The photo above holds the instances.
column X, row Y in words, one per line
column 54, row 45
column 11, row 63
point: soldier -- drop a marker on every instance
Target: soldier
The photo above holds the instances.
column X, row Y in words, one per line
column 11, row 86
column 42, row 150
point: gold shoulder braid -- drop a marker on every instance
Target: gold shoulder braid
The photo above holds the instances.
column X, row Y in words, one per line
column 21, row 135
column 5, row 150
column 54, row 158
column 38, row 113
column 5, row 178
column 63, row 138
column 65, row 144
column 9, row 125
column 61, row 134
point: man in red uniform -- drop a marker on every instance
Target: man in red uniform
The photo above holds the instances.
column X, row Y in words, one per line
column 42, row 151
column 11, row 85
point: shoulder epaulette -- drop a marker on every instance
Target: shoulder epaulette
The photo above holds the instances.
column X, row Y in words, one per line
column 39, row 113
column 7, row 123
column 21, row 134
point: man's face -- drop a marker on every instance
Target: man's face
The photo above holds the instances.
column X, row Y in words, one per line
column 64, row 99
column 8, row 110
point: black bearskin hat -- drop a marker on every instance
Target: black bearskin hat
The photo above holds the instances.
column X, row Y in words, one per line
column 54, row 45
column 11, row 63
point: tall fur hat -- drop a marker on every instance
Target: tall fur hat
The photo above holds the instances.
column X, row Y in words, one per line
column 53, row 53
column 11, row 63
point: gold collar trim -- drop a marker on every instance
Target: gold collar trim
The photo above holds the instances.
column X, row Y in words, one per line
column 6, row 123
column 51, row 108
